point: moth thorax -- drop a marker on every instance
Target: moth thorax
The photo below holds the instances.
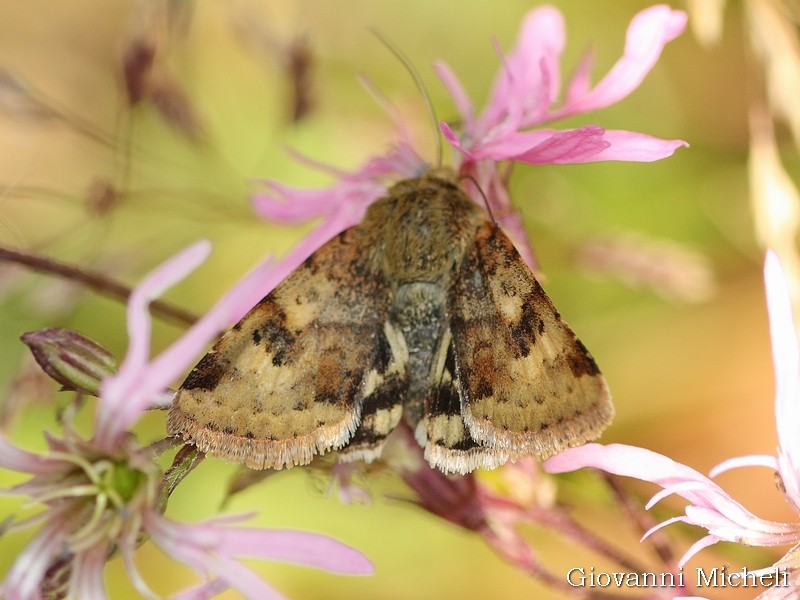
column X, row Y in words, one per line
column 422, row 229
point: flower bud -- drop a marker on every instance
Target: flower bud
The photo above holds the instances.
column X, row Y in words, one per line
column 74, row 361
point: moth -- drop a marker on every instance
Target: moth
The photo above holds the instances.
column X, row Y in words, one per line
column 424, row 312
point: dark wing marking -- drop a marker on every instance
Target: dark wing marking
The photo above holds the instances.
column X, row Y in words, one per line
column 289, row 380
column 385, row 392
column 442, row 432
column 528, row 385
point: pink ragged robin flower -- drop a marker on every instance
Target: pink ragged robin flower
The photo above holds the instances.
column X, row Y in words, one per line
column 711, row 507
column 524, row 101
column 511, row 129
column 104, row 496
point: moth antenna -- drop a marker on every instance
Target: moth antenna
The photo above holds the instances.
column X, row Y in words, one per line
column 483, row 195
column 400, row 55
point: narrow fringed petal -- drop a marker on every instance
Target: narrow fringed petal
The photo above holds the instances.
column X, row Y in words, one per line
column 529, row 83
column 17, row 459
column 710, row 506
column 530, row 78
column 648, row 33
column 745, row 461
column 635, row 147
column 457, row 92
column 24, row 580
column 786, row 361
column 86, row 581
column 212, row 548
column 118, row 409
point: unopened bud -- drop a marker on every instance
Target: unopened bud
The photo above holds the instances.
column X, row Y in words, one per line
column 74, row 361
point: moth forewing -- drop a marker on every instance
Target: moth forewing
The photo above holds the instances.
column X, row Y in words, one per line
column 287, row 381
column 528, row 385
column 442, row 431
column 383, row 407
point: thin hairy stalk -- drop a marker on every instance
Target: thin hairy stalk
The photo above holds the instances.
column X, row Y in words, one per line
column 98, row 282
column 641, row 519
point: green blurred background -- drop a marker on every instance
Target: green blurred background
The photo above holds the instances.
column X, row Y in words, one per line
column 690, row 372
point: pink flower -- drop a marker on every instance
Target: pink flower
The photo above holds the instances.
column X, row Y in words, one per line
column 526, row 90
column 710, row 507
column 105, row 494
column 523, row 97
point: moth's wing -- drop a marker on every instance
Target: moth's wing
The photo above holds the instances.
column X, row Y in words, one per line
column 442, row 431
column 384, row 392
column 290, row 379
column 528, row 385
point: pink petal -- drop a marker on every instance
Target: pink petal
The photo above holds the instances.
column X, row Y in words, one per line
column 453, row 139
column 17, row 459
column 621, row 459
column 127, row 547
column 163, row 277
column 244, row 580
column 786, row 359
column 298, row 547
column 647, row 35
column 173, row 362
column 580, row 83
column 684, row 488
column 24, row 580
column 646, row 465
column 637, row 147
column 355, row 191
column 195, row 546
column 538, row 51
column 309, row 549
column 126, row 394
column 116, row 410
column 699, row 545
column 530, row 79
column 457, row 92
column 745, row 461
column 299, row 205
column 662, row 525
column 545, row 146
column 730, row 520
column 400, row 162
column 86, row 581
column 710, row 506
column 292, row 205
column 567, row 147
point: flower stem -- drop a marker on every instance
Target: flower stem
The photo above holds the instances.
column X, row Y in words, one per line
column 641, row 519
column 563, row 523
column 98, row 282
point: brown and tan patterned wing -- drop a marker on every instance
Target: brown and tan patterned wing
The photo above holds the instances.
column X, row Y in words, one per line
column 528, row 386
column 442, row 431
column 291, row 379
